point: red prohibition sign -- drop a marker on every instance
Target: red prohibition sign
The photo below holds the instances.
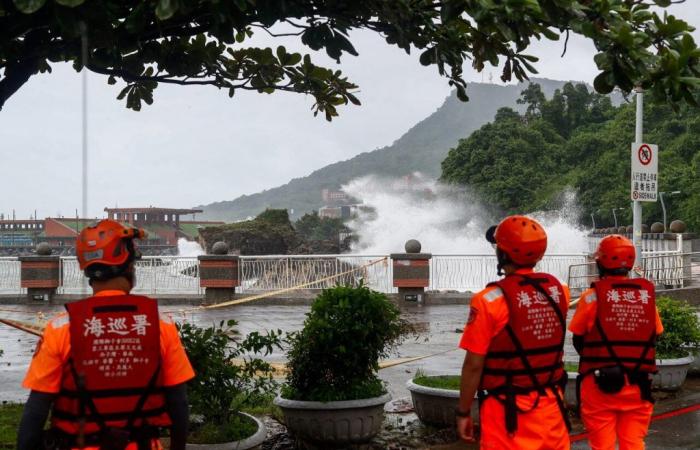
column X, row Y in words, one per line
column 645, row 154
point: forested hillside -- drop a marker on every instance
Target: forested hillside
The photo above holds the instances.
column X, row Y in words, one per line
column 577, row 139
column 422, row 148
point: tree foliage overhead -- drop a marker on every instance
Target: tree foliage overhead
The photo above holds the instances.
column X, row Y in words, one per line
column 206, row 42
column 578, row 140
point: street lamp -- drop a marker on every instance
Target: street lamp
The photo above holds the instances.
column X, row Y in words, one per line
column 593, row 218
column 615, row 215
column 663, row 206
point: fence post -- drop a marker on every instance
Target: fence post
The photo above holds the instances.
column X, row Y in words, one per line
column 40, row 274
column 218, row 274
column 154, row 279
column 411, row 272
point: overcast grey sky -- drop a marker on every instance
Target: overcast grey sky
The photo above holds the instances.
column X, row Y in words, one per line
column 194, row 145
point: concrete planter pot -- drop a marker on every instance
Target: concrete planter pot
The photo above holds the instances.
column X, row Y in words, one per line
column 694, row 369
column 253, row 442
column 334, row 424
column 436, row 406
column 671, row 374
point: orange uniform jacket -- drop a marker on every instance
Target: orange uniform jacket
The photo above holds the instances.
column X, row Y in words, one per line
column 47, row 366
column 540, row 428
column 608, row 418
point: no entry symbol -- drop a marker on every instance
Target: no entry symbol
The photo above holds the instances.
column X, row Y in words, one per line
column 645, row 154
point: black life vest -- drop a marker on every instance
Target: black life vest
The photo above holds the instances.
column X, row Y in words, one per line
column 112, row 377
column 625, row 327
column 527, row 354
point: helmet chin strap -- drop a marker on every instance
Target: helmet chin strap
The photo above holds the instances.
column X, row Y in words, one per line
column 503, row 260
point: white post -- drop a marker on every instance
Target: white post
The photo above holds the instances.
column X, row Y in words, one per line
column 637, row 205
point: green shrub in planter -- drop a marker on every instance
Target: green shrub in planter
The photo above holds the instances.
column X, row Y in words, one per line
column 681, row 328
column 223, row 385
column 336, row 354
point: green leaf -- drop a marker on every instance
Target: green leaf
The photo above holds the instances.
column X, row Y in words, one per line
column 462, row 93
column 603, row 84
column 293, row 59
column 166, row 8
column 123, row 92
column 427, row 57
column 70, row 3
column 29, row 6
column 354, row 100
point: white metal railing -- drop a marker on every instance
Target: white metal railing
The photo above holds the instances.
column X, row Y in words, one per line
column 9, row 275
column 472, row 272
column 668, row 270
column 270, row 273
column 180, row 275
column 154, row 274
column 648, row 245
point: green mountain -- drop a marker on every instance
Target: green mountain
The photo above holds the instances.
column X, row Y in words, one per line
column 422, row 148
column 581, row 141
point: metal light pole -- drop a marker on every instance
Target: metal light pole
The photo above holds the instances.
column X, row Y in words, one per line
column 615, row 217
column 593, row 220
column 83, row 30
column 637, row 205
column 663, row 206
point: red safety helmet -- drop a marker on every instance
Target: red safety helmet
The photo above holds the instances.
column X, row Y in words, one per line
column 615, row 252
column 107, row 242
column 521, row 238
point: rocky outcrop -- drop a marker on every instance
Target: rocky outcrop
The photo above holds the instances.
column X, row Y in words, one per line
column 271, row 233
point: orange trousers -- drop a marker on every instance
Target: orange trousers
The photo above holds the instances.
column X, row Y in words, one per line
column 542, row 428
column 609, row 418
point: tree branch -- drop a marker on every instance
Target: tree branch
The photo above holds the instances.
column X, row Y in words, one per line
column 131, row 78
column 15, row 77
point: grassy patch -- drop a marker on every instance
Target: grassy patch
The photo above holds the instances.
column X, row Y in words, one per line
column 571, row 366
column 450, row 382
column 10, row 415
column 240, row 427
column 261, row 405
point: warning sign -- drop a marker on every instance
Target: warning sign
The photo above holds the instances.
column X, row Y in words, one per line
column 645, row 165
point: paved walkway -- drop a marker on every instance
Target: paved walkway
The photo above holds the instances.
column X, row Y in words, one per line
column 437, row 325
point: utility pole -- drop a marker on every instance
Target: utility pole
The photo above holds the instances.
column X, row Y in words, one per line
column 636, row 204
column 593, row 220
column 615, row 217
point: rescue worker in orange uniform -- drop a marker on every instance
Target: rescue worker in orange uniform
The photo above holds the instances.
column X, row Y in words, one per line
column 615, row 328
column 111, row 370
column 514, row 339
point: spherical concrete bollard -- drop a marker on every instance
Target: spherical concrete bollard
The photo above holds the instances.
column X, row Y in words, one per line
column 219, row 248
column 678, row 226
column 657, row 227
column 43, row 249
column 412, row 246
column 645, row 228
column 630, row 229
column 621, row 230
